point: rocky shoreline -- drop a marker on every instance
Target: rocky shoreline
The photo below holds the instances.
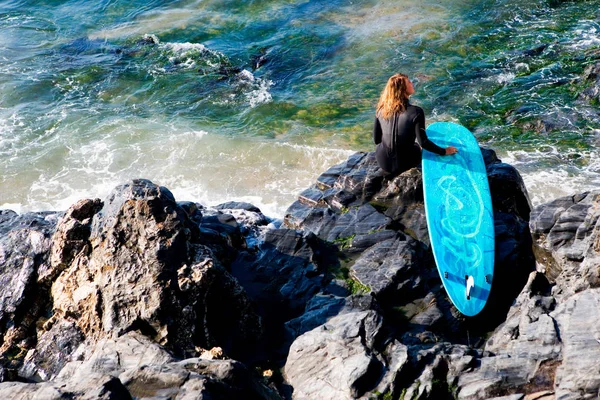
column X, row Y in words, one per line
column 139, row 296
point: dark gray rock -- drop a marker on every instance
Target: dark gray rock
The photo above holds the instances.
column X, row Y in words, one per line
column 25, row 242
column 52, row 351
column 238, row 205
column 592, row 78
column 565, row 233
column 391, row 268
column 396, row 265
column 549, row 341
column 523, row 353
column 357, row 221
column 133, row 366
column 338, row 360
column 346, row 298
column 193, row 210
column 322, row 307
column 289, row 268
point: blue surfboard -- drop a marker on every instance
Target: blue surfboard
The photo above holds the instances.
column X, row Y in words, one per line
column 460, row 218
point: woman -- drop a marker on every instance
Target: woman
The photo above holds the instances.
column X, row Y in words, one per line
column 397, row 124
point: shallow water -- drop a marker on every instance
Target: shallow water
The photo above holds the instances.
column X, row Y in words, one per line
column 226, row 100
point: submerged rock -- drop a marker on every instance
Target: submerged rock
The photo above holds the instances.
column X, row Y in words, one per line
column 592, row 78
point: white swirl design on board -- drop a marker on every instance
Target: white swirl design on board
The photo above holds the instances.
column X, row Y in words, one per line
column 463, row 216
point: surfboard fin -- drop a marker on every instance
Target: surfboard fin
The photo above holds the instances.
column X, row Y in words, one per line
column 470, row 285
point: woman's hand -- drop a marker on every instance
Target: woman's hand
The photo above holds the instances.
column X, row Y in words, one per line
column 451, row 150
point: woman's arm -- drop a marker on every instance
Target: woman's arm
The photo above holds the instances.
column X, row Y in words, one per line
column 377, row 131
column 424, row 140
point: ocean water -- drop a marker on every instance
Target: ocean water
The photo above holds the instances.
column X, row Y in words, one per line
column 251, row 100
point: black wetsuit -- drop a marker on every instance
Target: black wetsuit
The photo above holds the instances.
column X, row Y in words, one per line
column 395, row 139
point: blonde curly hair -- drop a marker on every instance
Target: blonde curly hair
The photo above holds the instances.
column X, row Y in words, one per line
column 394, row 97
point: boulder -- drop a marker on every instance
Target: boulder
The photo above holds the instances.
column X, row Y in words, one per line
column 139, row 296
column 25, row 242
column 548, row 344
column 378, row 209
column 390, row 258
column 133, row 263
column 134, row 366
column 592, row 78
column 338, row 360
column 565, row 235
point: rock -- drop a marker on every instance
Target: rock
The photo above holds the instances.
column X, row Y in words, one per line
column 133, row 366
column 97, row 387
column 522, row 354
column 143, row 297
column 286, row 270
column 193, row 210
column 391, row 268
column 238, row 205
column 289, row 268
column 396, row 265
column 336, row 360
column 565, row 235
column 578, row 321
column 52, row 351
column 322, row 307
column 140, row 267
column 508, row 191
column 71, row 237
column 592, row 78
column 25, row 242
column 434, row 369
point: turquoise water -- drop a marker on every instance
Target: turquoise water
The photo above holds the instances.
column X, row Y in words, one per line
column 231, row 100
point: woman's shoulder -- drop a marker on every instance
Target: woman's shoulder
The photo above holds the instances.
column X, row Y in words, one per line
column 414, row 108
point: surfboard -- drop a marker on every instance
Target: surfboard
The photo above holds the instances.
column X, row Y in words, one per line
column 460, row 218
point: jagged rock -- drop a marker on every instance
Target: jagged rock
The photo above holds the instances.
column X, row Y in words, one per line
column 434, row 369
column 71, row 237
column 322, row 307
column 286, row 272
column 509, row 194
column 96, row 388
column 565, row 233
column 289, row 268
column 52, row 351
column 548, row 344
column 238, row 205
column 139, row 267
column 592, row 76
column 25, row 242
column 133, row 366
column 193, row 210
column 395, row 263
column 391, row 268
column 137, row 283
column 338, row 360
column 522, row 352
column 578, row 320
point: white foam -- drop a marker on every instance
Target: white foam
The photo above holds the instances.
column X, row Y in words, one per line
column 16, row 207
column 550, row 173
column 261, row 94
column 587, row 36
